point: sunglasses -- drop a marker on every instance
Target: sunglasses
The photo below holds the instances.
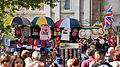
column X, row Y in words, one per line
column 16, row 62
column 4, row 61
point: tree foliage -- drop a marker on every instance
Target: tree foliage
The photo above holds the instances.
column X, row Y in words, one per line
column 8, row 7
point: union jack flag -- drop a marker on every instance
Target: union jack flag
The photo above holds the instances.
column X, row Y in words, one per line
column 108, row 19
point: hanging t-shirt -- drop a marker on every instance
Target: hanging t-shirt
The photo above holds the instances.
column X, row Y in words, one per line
column 35, row 42
column 26, row 31
column 35, row 30
column 74, row 34
column 65, row 34
column 57, row 32
column 26, row 40
column 30, row 42
column 18, row 31
column 45, row 33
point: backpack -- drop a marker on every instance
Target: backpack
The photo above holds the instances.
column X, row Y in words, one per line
column 101, row 64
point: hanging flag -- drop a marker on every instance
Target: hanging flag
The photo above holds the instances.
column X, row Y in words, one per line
column 108, row 19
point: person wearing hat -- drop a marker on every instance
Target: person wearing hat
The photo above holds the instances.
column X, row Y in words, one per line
column 36, row 60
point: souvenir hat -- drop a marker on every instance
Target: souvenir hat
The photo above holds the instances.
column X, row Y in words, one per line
column 82, row 33
column 106, row 32
column 94, row 32
column 88, row 34
column 101, row 32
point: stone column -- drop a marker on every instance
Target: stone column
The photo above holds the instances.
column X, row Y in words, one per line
column 86, row 20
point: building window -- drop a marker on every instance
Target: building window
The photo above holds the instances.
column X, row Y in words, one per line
column 67, row 4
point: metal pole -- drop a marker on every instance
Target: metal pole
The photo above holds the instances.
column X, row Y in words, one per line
column 60, row 9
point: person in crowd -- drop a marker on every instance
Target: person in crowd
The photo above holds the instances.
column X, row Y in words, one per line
column 116, row 58
column 108, row 58
column 69, row 62
column 53, row 65
column 26, row 56
column 4, row 60
column 59, row 60
column 117, row 47
column 36, row 55
column 90, row 55
column 75, row 62
column 99, row 56
column 18, row 62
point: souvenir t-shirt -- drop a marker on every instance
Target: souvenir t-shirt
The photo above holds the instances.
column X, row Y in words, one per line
column 26, row 40
column 26, row 31
column 65, row 34
column 45, row 33
column 57, row 32
column 35, row 30
column 74, row 34
column 17, row 31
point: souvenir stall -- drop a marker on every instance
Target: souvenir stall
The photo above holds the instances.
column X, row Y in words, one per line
column 38, row 35
column 10, row 42
column 69, row 47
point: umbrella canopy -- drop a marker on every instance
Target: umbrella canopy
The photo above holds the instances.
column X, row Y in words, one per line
column 17, row 21
column 67, row 23
column 43, row 21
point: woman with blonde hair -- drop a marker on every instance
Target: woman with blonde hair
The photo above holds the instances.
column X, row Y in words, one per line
column 69, row 63
column 4, row 60
column 26, row 56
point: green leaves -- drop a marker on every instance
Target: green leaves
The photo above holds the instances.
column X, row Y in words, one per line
column 8, row 7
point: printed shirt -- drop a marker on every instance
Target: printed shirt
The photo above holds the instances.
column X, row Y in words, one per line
column 74, row 34
column 35, row 30
column 65, row 34
column 45, row 33
column 17, row 31
column 26, row 32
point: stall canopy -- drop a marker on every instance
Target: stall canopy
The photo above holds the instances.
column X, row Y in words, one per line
column 43, row 21
column 17, row 21
column 67, row 23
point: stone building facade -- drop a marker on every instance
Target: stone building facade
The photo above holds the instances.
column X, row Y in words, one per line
column 87, row 12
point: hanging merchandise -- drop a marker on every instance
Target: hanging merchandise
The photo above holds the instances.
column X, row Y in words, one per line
column 35, row 30
column 42, row 44
column 45, row 33
column 19, row 45
column 57, row 32
column 26, row 40
column 39, row 42
column 52, row 43
column 112, row 41
column 18, row 31
column 35, row 42
column 26, row 31
column 74, row 34
column 47, row 43
column 57, row 40
column 65, row 34
column 30, row 41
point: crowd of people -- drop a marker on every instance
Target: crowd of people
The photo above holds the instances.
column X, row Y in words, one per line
column 92, row 58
